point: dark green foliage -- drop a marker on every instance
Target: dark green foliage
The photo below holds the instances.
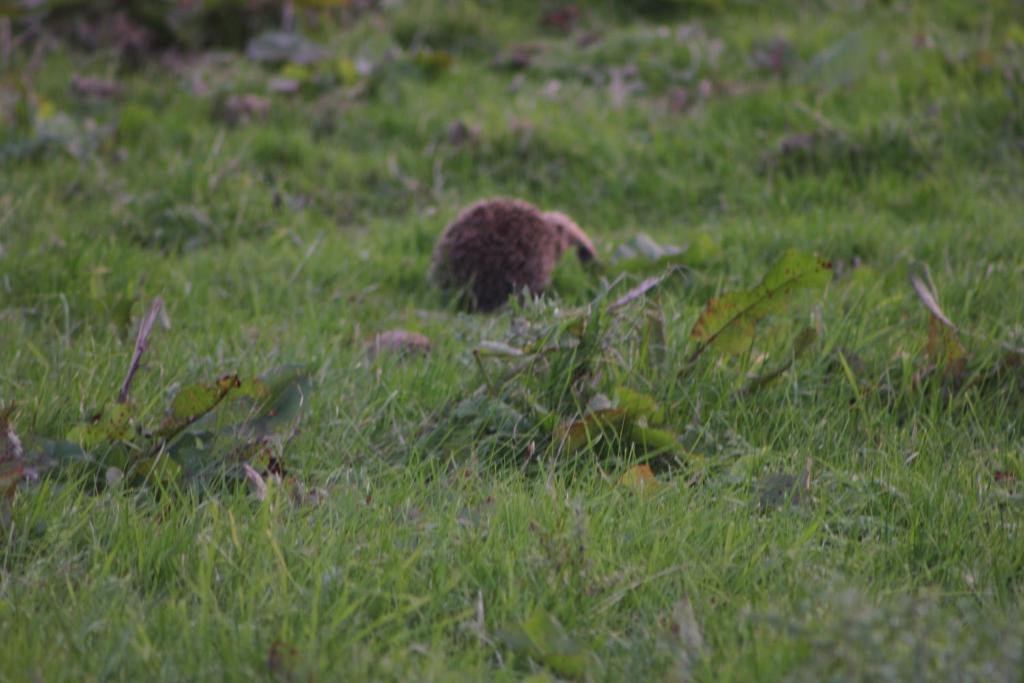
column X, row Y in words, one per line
column 839, row 501
column 143, row 24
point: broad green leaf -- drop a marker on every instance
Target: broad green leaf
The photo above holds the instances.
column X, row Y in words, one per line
column 260, row 407
column 653, row 440
column 615, row 423
column 638, row 405
column 729, row 322
column 194, row 454
column 112, row 424
column 195, row 400
column 543, row 638
column 55, row 451
column 250, row 423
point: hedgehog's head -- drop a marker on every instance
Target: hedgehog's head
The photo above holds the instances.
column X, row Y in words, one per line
column 570, row 235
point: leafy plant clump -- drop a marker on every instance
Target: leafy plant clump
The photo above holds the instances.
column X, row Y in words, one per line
column 729, row 323
column 230, row 430
column 556, row 391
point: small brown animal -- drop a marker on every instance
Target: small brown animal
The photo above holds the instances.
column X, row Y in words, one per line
column 498, row 247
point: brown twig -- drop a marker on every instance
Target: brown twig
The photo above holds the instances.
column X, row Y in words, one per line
column 141, row 344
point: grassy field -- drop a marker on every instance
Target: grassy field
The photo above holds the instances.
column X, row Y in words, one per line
column 857, row 519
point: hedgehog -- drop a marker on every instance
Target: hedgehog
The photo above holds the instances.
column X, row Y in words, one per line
column 499, row 247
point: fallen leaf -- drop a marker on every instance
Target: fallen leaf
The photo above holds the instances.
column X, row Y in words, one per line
column 729, row 323
column 399, row 341
column 577, row 434
column 928, row 299
column 640, row 478
column 257, row 487
column 944, row 348
column 615, row 423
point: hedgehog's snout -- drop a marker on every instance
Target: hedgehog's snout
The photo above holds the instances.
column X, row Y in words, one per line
column 584, row 253
column 571, row 235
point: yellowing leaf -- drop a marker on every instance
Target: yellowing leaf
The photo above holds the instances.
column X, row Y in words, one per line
column 618, row 425
column 640, row 478
column 577, row 434
column 729, row 322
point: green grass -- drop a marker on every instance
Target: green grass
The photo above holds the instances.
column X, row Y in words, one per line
column 297, row 237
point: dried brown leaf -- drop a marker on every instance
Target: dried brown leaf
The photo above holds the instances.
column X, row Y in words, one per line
column 926, row 296
column 399, row 341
